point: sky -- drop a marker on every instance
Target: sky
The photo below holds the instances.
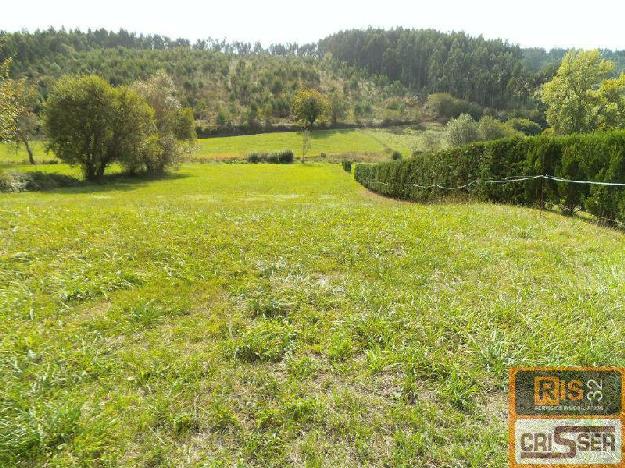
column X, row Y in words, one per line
column 530, row 23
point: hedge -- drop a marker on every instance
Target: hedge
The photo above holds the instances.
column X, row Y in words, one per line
column 34, row 181
column 283, row 157
column 592, row 157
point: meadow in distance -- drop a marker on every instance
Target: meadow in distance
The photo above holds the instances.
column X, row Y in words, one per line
column 193, row 306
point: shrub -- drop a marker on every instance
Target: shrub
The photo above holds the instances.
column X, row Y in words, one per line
column 34, row 181
column 444, row 106
column 282, row 157
column 490, row 128
column 526, row 126
column 462, row 131
column 253, row 158
column 592, row 157
column 347, row 166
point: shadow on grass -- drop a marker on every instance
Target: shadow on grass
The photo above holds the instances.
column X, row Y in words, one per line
column 119, row 183
column 35, row 181
column 320, row 134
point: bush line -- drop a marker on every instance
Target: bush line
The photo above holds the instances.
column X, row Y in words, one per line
column 283, row 157
column 594, row 157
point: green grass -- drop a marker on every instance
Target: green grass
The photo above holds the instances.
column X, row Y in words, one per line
column 330, row 142
column 16, row 154
column 281, row 315
column 355, row 144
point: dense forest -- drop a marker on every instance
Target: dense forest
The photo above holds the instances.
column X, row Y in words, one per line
column 370, row 76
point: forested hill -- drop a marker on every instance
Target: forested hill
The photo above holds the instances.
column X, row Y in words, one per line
column 492, row 73
column 236, row 86
column 489, row 72
column 369, row 75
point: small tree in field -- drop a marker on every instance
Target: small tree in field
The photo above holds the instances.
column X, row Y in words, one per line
column 79, row 120
column 308, row 105
column 174, row 124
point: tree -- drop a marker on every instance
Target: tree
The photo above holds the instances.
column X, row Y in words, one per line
column 90, row 123
column 308, row 105
column 26, row 120
column 305, row 143
column 175, row 126
column 134, row 127
column 8, row 106
column 17, row 117
column 337, row 108
column 79, row 118
column 573, row 97
column 462, row 130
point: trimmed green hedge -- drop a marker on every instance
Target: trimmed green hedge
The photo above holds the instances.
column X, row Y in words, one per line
column 592, row 157
column 283, row 157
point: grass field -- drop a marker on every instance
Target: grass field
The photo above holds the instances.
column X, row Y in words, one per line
column 356, row 144
column 273, row 315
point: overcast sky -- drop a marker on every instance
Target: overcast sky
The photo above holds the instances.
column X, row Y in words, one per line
column 542, row 23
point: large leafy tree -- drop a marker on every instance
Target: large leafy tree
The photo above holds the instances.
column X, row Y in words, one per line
column 575, row 98
column 79, row 121
column 92, row 124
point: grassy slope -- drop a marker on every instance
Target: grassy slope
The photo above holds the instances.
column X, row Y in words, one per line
column 280, row 314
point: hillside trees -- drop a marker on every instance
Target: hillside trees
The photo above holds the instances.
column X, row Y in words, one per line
column 488, row 72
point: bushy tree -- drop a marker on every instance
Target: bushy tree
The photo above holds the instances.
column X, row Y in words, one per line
column 134, row 128
column 444, row 106
column 573, row 97
column 525, row 126
column 93, row 124
column 79, row 121
column 489, row 128
column 308, row 106
column 337, row 107
column 175, row 129
column 462, row 130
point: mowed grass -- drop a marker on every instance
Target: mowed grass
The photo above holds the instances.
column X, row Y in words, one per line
column 329, row 142
column 281, row 315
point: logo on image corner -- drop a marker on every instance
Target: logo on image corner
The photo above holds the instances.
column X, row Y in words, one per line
column 579, row 441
